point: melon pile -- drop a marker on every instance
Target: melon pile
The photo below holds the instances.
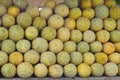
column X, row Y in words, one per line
column 74, row 38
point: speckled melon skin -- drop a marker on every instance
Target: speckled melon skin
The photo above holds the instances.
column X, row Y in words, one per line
column 3, row 58
column 70, row 23
column 71, row 3
column 3, row 10
column 115, row 36
column 3, row 33
column 50, row 3
column 114, row 57
column 96, row 2
column 6, row 3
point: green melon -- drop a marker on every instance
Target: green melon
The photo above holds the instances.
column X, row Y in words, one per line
column 48, row 58
column 24, row 19
column 70, row 70
column 32, row 57
column 118, row 24
column 8, row 70
column 115, row 36
column 3, row 33
column 3, row 10
column 71, row 3
column 40, row 44
column 3, row 58
column 8, row 46
column 16, row 33
column 50, row 3
column 70, row 23
column 115, row 58
column 63, row 58
column 6, row 3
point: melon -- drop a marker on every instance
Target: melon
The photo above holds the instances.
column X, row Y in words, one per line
column 24, row 70
column 110, row 3
column 33, row 11
column 63, row 58
column 89, row 36
column 24, row 19
column 3, row 33
column 103, row 36
column 71, row 3
column 89, row 13
column 76, row 36
column 69, row 46
column 46, row 12
column 96, row 24
column 13, row 10
column 108, row 48
column 49, row 33
column 0, row 22
column 75, row 13
column 86, row 4
column 22, row 4
column 83, row 24
column 32, row 57
column 101, row 58
column 50, row 3
column 115, row 36
column 23, row 45
column 55, row 46
column 39, row 23
column 16, row 33
column 8, row 20
column 56, row 21
column 31, row 33
column 40, row 70
column 96, row 2
column 8, row 46
column 6, row 3
column 109, row 24
column 70, row 70
column 16, row 58
column 88, row 58
column 3, row 58
column 84, row 70
column 97, row 69
column 111, row 69
column 118, row 69
column 117, row 46
column 62, row 10
column 96, row 46
column 101, row 11
column 40, row 44
column 118, row 24
column 3, row 10
column 70, row 23
column 83, row 47
column 48, row 58
column 8, row 70
column 76, row 58
column 63, row 34
column 55, row 71
column 115, row 58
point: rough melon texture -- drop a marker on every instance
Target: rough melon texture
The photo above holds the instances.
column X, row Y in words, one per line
column 70, row 23
column 84, row 70
column 49, row 33
column 24, row 70
column 117, row 46
column 48, row 58
column 23, row 45
column 8, row 70
column 32, row 57
column 40, row 44
column 63, row 58
column 3, row 33
column 22, row 4
column 86, row 4
column 110, row 3
column 96, row 2
column 63, row 34
column 16, row 33
column 16, row 58
column 96, row 24
column 76, row 58
column 6, row 3
column 101, row 58
column 3, row 58
column 115, row 36
column 88, row 58
column 13, row 10
column 118, row 24
column 24, row 19
column 111, row 69
column 33, row 11
column 55, row 71
column 8, row 46
column 8, row 20
column 108, row 48
column 40, row 70
column 83, row 47
column 83, row 24
column 50, row 3
column 71, row 3
column 56, row 46
column 56, row 21
column 3, row 10
column 70, row 70
column 96, row 46
column 115, row 58
column 39, row 23
column 62, row 10
column 97, row 69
